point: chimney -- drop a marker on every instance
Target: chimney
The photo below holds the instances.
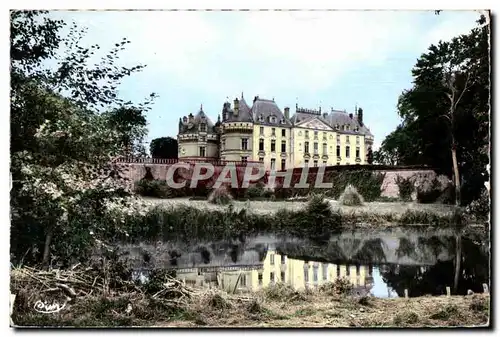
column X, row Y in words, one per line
column 325, row 114
column 360, row 116
column 180, row 124
column 191, row 118
column 184, row 119
column 287, row 113
column 236, row 107
column 350, row 116
column 255, row 98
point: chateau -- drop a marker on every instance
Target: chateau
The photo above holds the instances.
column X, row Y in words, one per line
column 263, row 133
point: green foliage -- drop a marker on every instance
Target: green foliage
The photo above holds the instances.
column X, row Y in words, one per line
column 164, row 147
column 67, row 124
column 154, row 188
column 428, row 130
column 351, row 197
column 480, row 208
column 406, row 187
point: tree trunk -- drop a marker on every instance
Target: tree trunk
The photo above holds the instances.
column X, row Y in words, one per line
column 46, row 248
column 458, row 260
column 456, row 174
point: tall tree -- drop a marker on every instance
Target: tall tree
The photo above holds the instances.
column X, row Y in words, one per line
column 446, row 112
column 165, row 147
column 61, row 142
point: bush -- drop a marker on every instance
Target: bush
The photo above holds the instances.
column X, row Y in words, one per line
column 480, row 208
column 406, row 187
column 220, row 196
column 351, row 197
column 154, row 188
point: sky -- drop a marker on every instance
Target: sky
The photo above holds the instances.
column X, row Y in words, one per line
column 327, row 59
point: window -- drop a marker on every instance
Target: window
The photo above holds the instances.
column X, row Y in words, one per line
column 223, row 145
column 324, row 162
column 203, row 127
column 273, row 163
column 338, row 139
column 347, row 139
column 347, row 152
column 283, row 132
column 325, row 271
column 315, row 148
column 306, row 274
column 358, row 270
column 315, row 274
column 315, row 163
column 338, row 270
column 272, row 119
column 202, row 151
column 315, row 134
column 307, row 134
column 324, row 135
column 273, row 132
column 370, row 270
column 306, row 162
column 357, row 140
column 261, row 118
column 244, row 159
column 283, row 259
column 325, row 148
column 283, row 164
column 357, row 152
column 283, row 146
column 261, row 144
column 271, row 258
column 203, row 139
column 306, row 147
column 261, row 159
column 273, row 145
column 283, row 276
column 260, row 279
column 271, row 277
column 243, row 280
column 347, row 270
column 262, row 131
column 338, row 150
column 244, row 143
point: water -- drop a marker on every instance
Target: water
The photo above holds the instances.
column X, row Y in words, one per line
column 382, row 263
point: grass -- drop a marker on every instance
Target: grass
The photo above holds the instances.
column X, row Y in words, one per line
column 317, row 219
column 316, row 309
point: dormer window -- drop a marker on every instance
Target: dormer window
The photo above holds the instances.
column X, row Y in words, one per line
column 203, row 127
column 272, row 119
column 336, row 126
column 261, row 118
column 282, row 121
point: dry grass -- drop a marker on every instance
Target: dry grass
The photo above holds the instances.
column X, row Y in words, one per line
column 319, row 310
column 278, row 307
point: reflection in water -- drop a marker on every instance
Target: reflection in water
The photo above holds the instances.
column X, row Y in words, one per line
column 383, row 263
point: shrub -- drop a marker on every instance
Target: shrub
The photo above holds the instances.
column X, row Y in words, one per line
column 220, row 196
column 153, row 188
column 351, row 197
column 406, row 187
column 480, row 208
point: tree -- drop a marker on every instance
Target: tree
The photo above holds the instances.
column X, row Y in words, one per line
column 165, row 147
column 445, row 115
column 61, row 142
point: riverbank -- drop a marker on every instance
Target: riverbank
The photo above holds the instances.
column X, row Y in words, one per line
column 315, row 309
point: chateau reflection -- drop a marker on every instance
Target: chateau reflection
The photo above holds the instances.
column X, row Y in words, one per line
column 277, row 268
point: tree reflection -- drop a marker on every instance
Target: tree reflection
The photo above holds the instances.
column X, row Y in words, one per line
column 433, row 280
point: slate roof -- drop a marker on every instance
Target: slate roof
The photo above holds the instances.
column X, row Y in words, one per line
column 192, row 127
column 244, row 114
column 342, row 118
column 264, row 109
